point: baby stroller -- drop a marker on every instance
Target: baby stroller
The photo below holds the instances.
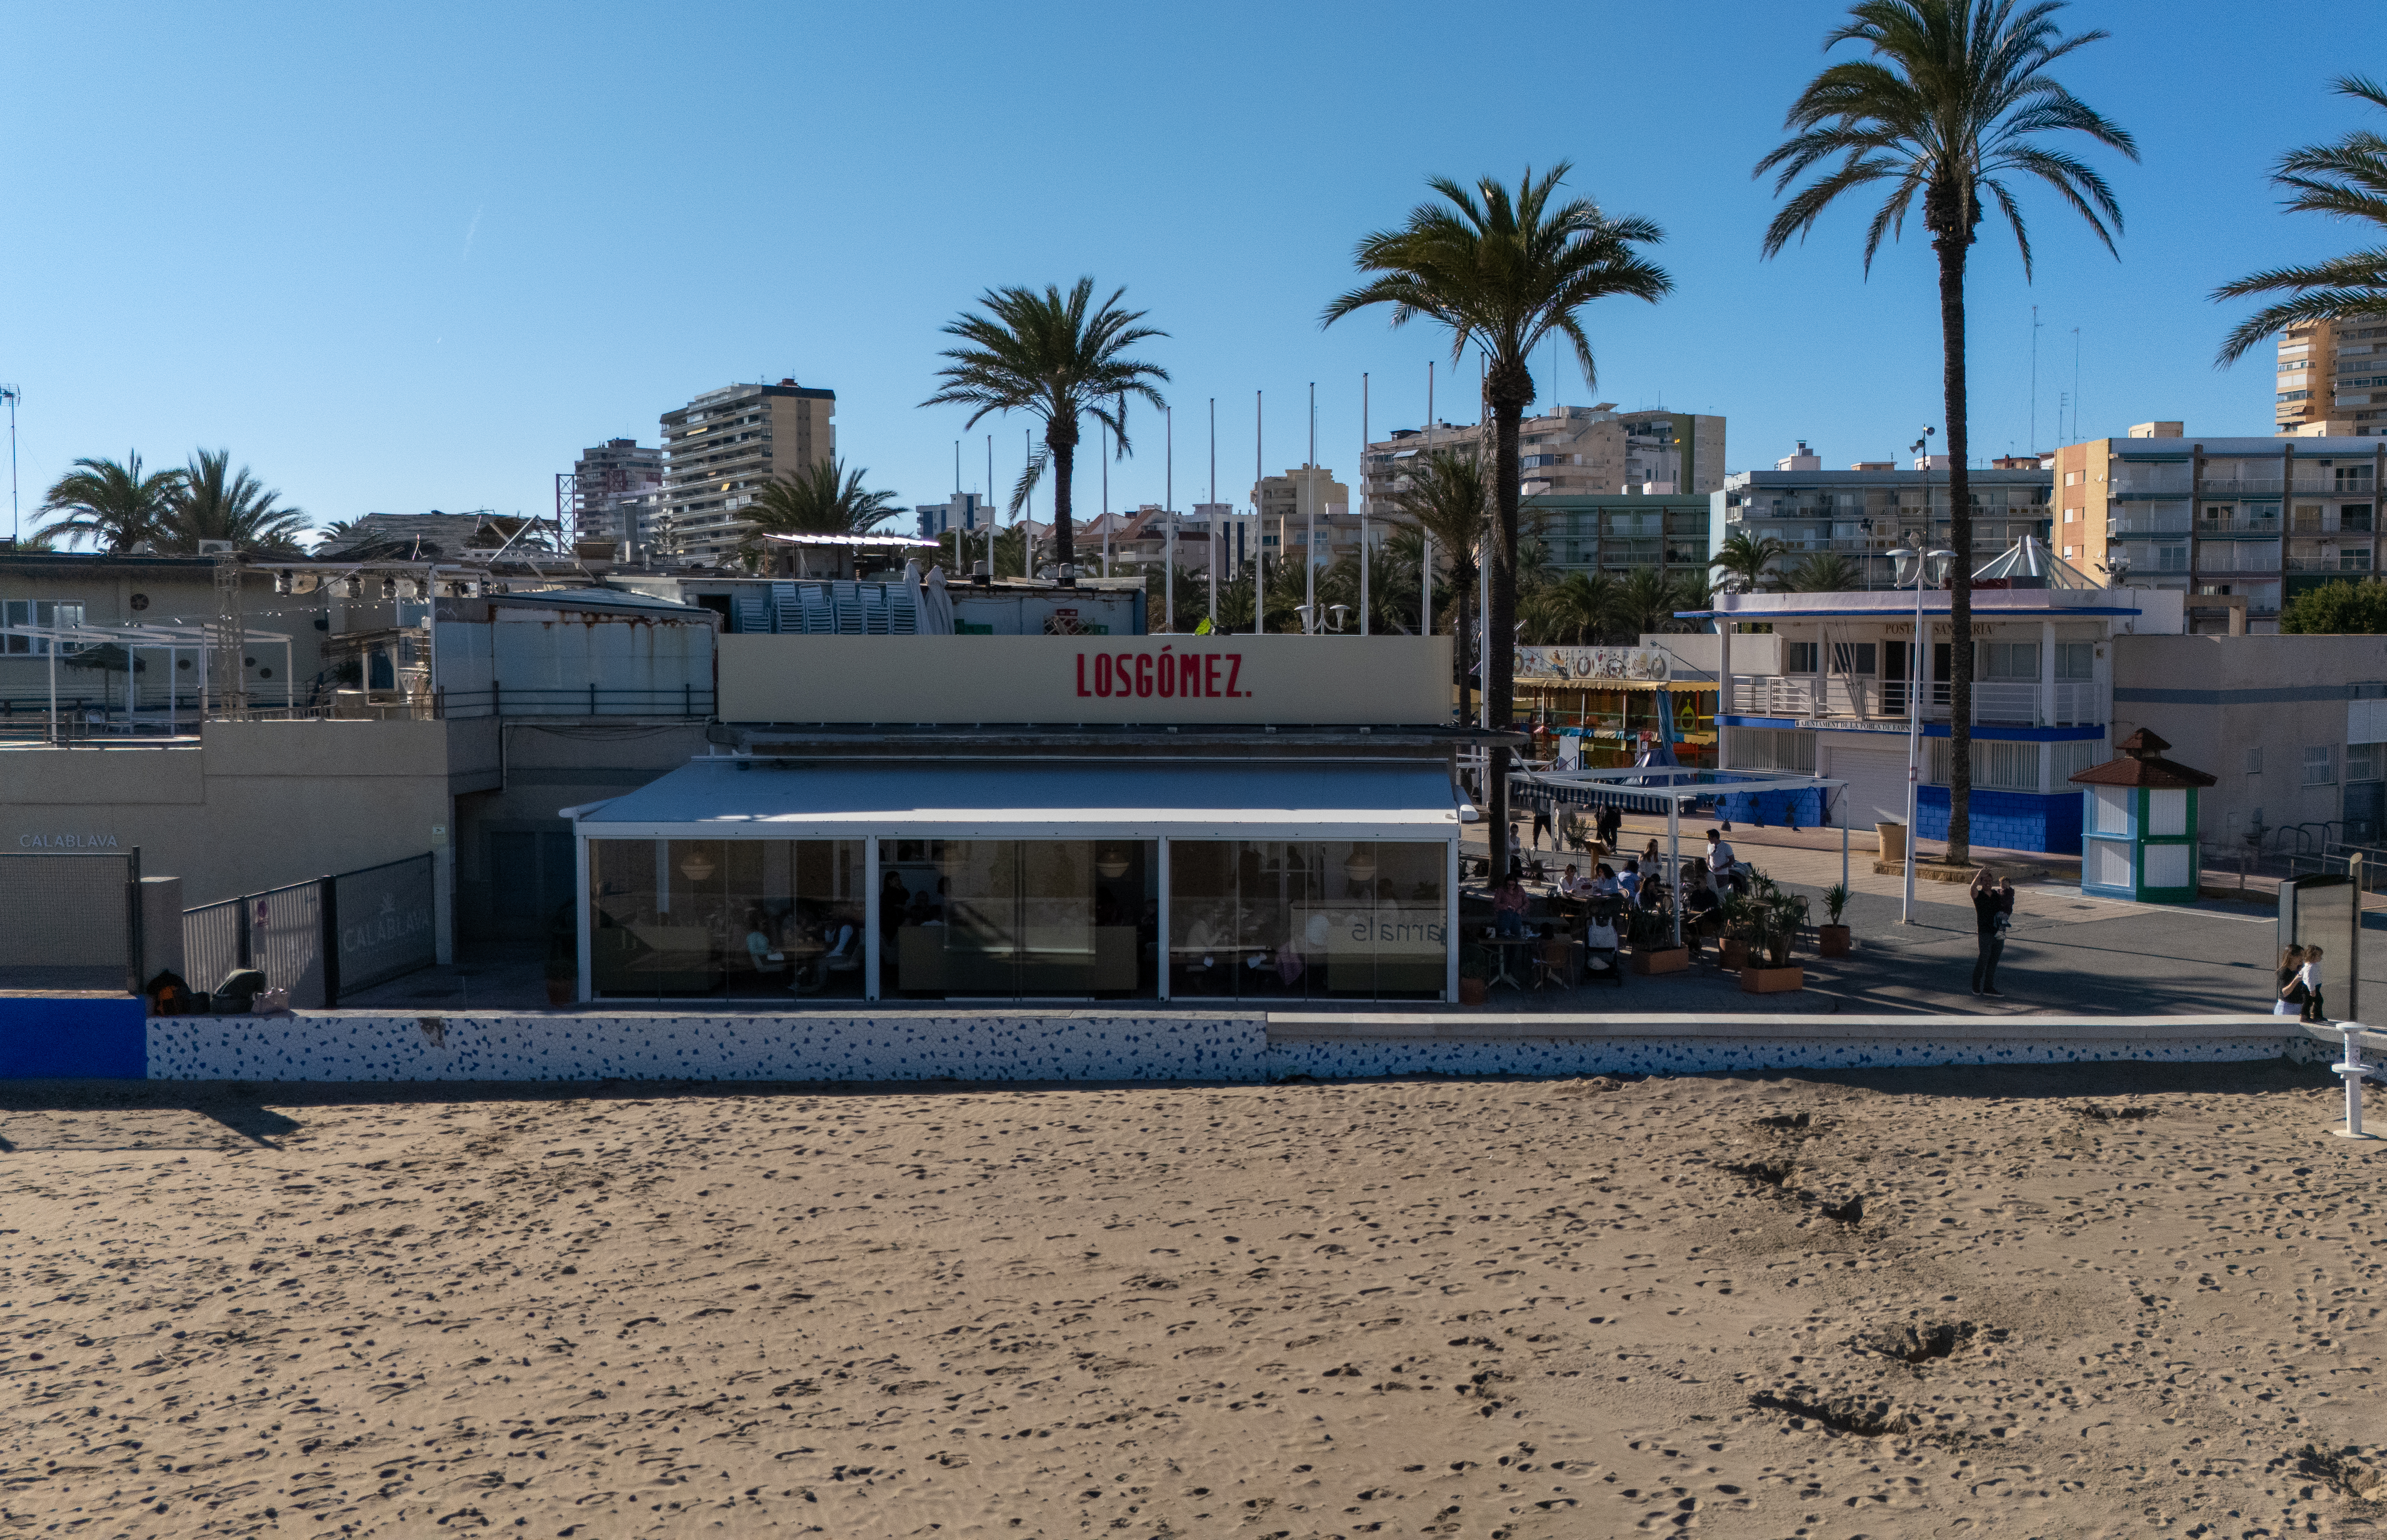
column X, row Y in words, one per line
column 1599, row 959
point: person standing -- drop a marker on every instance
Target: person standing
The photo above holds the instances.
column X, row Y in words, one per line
column 2287, row 993
column 2309, row 976
column 1992, row 913
column 1720, row 861
column 1606, row 823
column 1542, row 821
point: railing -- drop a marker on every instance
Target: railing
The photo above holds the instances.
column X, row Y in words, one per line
column 2242, row 487
column 582, row 700
column 279, row 932
column 1996, row 703
column 2268, row 523
column 2152, row 486
column 2170, row 522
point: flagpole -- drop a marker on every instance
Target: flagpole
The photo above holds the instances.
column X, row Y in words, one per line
column 1169, row 509
column 1216, row 524
column 1363, row 502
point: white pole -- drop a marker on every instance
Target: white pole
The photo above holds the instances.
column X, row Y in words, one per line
column 2352, row 1070
column 1027, row 513
column 1259, row 524
column 1217, row 524
column 1309, row 530
column 1168, row 501
column 1105, row 436
column 1425, row 588
column 1363, row 502
column 1916, row 678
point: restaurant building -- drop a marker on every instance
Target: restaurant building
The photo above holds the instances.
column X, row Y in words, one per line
column 1048, row 818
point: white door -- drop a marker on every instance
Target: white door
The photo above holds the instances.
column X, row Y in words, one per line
column 1876, row 778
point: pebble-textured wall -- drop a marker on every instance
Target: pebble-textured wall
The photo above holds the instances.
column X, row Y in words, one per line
column 1083, row 1046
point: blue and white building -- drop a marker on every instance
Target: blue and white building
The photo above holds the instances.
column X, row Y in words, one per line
column 1833, row 687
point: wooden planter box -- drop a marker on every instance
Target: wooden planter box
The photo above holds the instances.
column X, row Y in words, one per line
column 1472, row 991
column 1832, row 941
column 1735, row 949
column 1672, row 960
column 1757, row 980
column 562, row 991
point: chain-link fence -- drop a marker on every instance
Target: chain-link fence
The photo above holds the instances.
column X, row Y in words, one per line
column 70, row 920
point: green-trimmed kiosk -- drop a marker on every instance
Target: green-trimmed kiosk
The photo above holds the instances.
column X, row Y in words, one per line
column 2137, row 825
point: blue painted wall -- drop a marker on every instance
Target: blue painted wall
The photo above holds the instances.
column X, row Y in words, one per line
column 2007, row 820
column 73, row 1038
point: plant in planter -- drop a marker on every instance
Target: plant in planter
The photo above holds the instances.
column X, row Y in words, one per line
column 1779, row 916
column 1832, row 937
column 1476, row 970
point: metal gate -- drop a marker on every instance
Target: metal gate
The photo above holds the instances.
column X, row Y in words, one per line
column 70, row 920
column 279, row 932
column 319, row 937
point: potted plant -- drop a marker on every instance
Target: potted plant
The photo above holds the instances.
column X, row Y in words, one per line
column 1832, row 937
column 1779, row 917
column 1739, row 913
column 562, row 980
column 1475, row 971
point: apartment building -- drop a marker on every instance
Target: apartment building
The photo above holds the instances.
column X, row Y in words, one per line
column 614, row 493
column 720, row 449
column 2249, row 520
column 1574, row 451
column 1873, row 508
column 2332, row 380
column 966, row 511
column 1302, row 498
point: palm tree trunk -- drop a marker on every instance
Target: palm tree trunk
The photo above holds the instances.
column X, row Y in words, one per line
column 1064, row 456
column 1508, row 398
column 1950, row 245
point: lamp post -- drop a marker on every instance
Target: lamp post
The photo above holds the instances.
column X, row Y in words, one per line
column 1914, row 567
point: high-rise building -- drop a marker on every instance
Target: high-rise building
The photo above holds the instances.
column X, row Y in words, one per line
column 1286, row 504
column 616, row 494
column 2242, row 521
column 720, row 449
column 1574, row 451
column 1863, row 513
column 2332, row 380
column 967, row 511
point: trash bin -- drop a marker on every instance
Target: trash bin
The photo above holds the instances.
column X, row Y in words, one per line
column 1893, row 842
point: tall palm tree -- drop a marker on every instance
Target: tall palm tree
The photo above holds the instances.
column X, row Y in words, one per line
column 1503, row 270
column 214, row 503
column 1646, row 601
column 1445, row 502
column 824, row 497
column 1049, row 356
column 1953, row 105
column 110, row 504
column 2345, row 180
column 1825, row 573
column 1748, row 559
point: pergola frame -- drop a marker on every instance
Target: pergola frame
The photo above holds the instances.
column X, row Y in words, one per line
column 1637, row 787
column 137, row 635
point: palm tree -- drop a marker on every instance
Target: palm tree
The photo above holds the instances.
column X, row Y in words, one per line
column 824, row 497
column 1045, row 355
column 110, row 504
column 1502, row 270
column 1748, row 560
column 1954, row 104
column 2346, row 179
column 332, row 532
column 1646, row 601
column 214, row 503
column 1578, row 608
column 1445, row 503
column 1824, row 573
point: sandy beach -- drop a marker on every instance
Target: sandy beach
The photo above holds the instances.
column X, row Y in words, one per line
column 2095, row 1301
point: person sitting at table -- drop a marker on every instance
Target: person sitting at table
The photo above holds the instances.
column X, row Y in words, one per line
column 1702, row 907
column 1572, row 885
column 1628, row 881
column 1604, row 884
column 1599, row 946
column 1509, row 906
column 759, row 944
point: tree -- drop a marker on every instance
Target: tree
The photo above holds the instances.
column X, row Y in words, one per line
column 1580, row 608
column 824, row 497
column 1646, row 600
column 1046, row 356
column 2346, row 179
column 1445, row 503
column 214, row 503
column 1954, row 105
column 2338, row 609
column 1748, row 560
column 1502, row 270
column 1825, row 573
column 110, row 504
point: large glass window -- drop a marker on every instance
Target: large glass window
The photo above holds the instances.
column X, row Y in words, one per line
column 1304, row 920
column 735, row 918
column 1014, row 918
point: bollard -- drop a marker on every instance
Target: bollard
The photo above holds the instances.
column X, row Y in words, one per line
column 2352, row 1070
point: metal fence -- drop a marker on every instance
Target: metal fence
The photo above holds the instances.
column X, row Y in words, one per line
column 70, row 920
column 319, row 938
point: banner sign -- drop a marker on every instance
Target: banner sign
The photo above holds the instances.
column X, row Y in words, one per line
column 1634, row 665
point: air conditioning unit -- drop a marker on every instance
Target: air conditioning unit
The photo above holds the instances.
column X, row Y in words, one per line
column 215, row 548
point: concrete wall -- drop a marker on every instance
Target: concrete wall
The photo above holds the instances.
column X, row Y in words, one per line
column 2216, row 699
column 255, row 805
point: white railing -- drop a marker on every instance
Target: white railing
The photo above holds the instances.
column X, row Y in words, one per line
column 1998, row 702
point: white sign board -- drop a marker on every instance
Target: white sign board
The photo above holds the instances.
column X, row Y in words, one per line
column 1633, row 664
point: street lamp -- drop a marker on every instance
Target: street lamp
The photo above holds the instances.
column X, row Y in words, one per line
column 1916, row 568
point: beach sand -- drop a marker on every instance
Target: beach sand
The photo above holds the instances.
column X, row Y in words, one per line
column 2073, row 1301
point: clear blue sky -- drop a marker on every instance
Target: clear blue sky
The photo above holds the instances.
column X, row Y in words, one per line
column 399, row 257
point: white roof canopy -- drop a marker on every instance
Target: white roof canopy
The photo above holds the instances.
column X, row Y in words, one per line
column 761, row 799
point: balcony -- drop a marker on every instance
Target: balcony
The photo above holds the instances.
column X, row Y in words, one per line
column 2146, row 485
column 2167, row 521
column 2242, row 487
column 2240, row 524
column 1996, row 703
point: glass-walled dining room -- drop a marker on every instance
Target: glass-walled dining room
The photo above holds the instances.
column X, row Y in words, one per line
column 740, row 919
column 1068, row 921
